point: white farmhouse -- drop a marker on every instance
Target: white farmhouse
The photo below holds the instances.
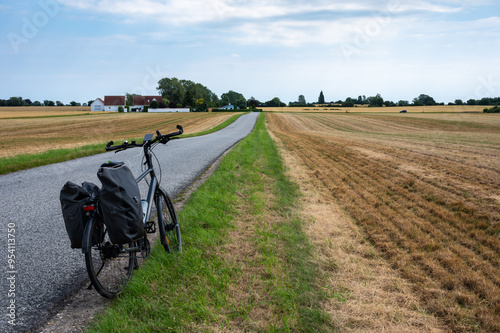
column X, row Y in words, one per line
column 97, row 105
column 110, row 103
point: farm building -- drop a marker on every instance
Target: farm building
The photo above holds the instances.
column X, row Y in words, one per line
column 97, row 105
column 112, row 103
column 227, row 107
column 141, row 101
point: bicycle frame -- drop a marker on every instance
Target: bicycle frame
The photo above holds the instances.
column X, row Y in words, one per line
column 153, row 179
column 151, row 191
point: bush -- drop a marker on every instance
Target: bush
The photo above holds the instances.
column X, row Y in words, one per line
column 120, row 109
column 495, row 109
column 154, row 104
column 145, row 108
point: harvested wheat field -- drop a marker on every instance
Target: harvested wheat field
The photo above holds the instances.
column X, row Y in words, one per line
column 424, row 193
column 366, row 109
column 41, row 111
column 38, row 131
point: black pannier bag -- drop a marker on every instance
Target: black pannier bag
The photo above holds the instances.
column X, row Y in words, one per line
column 73, row 197
column 120, row 203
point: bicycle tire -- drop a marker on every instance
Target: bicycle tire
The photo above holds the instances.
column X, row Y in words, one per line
column 170, row 231
column 109, row 266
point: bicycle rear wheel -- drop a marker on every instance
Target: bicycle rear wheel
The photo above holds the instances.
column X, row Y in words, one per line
column 109, row 265
column 170, row 231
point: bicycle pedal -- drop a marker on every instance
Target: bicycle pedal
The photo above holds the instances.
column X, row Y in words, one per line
column 150, row 227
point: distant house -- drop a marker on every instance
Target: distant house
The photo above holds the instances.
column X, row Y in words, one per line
column 141, row 101
column 97, row 105
column 112, row 103
column 227, row 107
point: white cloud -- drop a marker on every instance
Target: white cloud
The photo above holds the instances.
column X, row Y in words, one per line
column 195, row 11
column 274, row 22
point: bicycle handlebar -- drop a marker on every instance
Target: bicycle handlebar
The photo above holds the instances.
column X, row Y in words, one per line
column 159, row 138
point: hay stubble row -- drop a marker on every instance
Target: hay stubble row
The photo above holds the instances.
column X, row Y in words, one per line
column 426, row 191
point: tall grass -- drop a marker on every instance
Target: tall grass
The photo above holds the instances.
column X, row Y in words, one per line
column 246, row 263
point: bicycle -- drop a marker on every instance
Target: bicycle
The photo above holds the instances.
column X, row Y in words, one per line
column 109, row 265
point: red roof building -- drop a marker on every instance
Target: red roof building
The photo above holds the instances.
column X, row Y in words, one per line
column 114, row 100
column 146, row 100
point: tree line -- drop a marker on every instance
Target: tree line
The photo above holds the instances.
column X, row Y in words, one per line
column 186, row 93
column 378, row 101
column 19, row 101
column 178, row 93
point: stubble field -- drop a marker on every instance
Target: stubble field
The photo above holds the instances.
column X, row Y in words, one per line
column 424, row 190
column 366, row 109
column 35, row 130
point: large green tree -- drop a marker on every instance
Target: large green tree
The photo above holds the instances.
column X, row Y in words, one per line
column 185, row 92
column 172, row 89
column 275, row 102
column 15, row 101
column 232, row 97
column 424, row 99
column 375, row 101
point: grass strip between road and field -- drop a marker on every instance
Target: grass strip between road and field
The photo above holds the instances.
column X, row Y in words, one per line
column 28, row 161
column 246, row 263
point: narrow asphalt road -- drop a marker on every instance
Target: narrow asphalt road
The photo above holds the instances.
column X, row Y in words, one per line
column 38, row 267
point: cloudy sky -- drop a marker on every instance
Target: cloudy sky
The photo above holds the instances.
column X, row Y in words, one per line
column 78, row 50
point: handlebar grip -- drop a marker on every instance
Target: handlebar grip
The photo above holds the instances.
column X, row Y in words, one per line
column 179, row 127
column 110, row 143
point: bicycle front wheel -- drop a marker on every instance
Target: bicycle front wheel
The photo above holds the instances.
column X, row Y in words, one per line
column 170, row 231
column 109, row 265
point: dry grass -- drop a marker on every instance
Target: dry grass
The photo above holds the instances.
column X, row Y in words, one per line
column 39, row 131
column 425, row 191
column 410, row 109
column 41, row 111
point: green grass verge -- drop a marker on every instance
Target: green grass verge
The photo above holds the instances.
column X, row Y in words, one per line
column 27, row 161
column 276, row 288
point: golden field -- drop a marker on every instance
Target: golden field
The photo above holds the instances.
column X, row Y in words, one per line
column 424, row 190
column 41, row 111
column 31, row 131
